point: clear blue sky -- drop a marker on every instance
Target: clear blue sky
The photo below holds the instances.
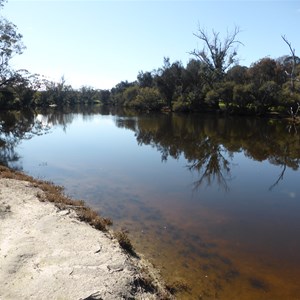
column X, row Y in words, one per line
column 100, row 43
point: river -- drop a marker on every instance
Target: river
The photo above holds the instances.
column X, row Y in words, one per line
column 212, row 201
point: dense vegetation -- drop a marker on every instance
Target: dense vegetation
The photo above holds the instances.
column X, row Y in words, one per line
column 211, row 81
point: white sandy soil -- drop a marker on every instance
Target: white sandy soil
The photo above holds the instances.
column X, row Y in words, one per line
column 46, row 253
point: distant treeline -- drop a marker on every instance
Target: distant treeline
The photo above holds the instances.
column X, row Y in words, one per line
column 262, row 88
column 211, row 81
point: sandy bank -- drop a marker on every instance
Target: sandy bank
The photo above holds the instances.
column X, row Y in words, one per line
column 48, row 253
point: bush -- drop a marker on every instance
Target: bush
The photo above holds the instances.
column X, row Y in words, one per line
column 182, row 104
column 148, row 99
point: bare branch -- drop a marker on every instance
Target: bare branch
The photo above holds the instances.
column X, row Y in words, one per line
column 289, row 44
column 292, row 74
column 218, row 55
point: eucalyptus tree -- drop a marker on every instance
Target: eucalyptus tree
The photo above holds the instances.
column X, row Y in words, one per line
column 237, row 74
column 192, row 90
column 169, row 80
column 117, row 93
column 10, row 45
column 145, row 79
column 217, row 57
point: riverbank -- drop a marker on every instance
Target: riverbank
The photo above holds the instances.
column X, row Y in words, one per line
column 48, row 252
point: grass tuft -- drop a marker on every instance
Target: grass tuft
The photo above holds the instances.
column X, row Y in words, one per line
column 88, row 215
column 124, row 242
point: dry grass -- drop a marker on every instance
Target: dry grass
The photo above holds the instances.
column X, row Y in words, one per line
column 148, row 283
column 54, row 194
column 88, row 215
column 124, row 242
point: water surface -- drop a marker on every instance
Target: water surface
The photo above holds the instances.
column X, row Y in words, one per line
column 212, row 201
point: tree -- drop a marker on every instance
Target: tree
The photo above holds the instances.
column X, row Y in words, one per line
column 263, row 70
column 148, row 98
column 223, row 92
column 243, row 96
column 191, row 95
column 168, row 80
column 217, row 55
column 145, row 79
column 117, row 93
column 238, row 74
column 10, row 45
column 105, row 96
column 24, row 88
column 268, row 93
column 130, row 94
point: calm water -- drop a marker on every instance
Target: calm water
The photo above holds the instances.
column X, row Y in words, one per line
column 212, row 201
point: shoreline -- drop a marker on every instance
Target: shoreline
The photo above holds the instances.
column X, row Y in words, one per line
column 53, row 247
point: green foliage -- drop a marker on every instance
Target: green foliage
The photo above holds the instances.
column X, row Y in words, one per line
column 288, row 97
column 183, row 104
column 237, row 74
column 105, row 96
column 148, row 99
column 213, row 97
column 117, row 93
column 222, row 92
column 268, row 93
column 168, row 79
column 10, row 45
column 243, row 96
column 130, row 94
column 266, row 69
column 145, row 79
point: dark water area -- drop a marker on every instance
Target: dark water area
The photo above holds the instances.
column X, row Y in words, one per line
column 213, row 201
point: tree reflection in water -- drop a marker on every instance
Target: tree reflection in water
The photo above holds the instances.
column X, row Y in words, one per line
column 211, row 166
column 284, row 162
column 16, row 126
column 209, row 142
column 206, row 142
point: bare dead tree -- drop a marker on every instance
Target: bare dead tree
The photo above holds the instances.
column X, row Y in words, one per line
column 292, row 74
column 216, row 54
